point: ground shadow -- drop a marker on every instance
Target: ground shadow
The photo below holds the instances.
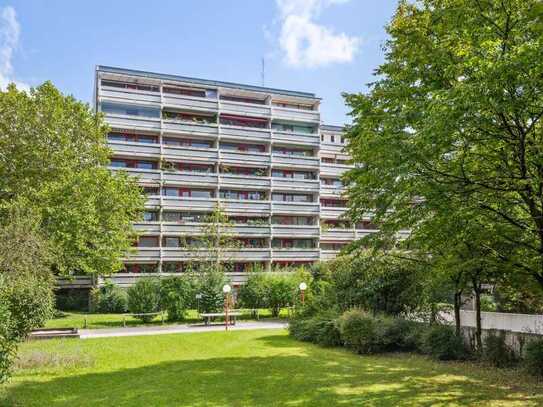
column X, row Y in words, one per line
column 315, row 377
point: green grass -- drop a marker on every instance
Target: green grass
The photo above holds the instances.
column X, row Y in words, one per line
column 98, row 321
column 251, row 368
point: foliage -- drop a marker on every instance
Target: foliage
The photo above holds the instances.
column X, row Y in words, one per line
column 209, row 285
column 452, row 126
column 497, row 352
column 253, row 293
column 281, row 291
column 359, row 331
column 84, row 209
column 176, row 296
column 442, row 343
column 8, row 346
column 144, row 297
column 109, row 299
column 321, row 328
column 72, row 299
column 533, row 357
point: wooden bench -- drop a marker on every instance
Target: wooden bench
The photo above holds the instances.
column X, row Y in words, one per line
column 142, row 314
column 208, row 316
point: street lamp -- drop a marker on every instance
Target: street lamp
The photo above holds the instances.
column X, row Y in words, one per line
column 226, row 290
column 303, row 287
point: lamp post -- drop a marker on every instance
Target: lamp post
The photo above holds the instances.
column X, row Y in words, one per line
column 303, row 287
column 226, row 290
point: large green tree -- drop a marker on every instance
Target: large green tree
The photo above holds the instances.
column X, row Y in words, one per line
column 454, row 115
column 53, row 154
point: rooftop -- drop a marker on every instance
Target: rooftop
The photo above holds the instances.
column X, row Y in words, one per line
column 207, row 82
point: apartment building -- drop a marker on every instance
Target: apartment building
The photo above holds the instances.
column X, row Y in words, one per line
column 260, row 154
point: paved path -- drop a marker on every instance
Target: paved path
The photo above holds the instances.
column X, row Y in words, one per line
column 177, row 329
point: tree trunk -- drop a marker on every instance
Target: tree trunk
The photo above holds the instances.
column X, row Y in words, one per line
column 457, row 304
column 478, row 330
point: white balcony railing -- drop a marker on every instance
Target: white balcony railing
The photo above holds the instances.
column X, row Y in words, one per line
column 245, row 134
column 296, row 254
column 281, row 113
column 245, row 109
column 334, row 170
column 304, row 139
column 123, row 95
column 125, row 122
column 178, row 126
column 144, row 176
column 295, row 208
column 185, row 178
column 189, row 204
column 295, row 231
column 189, row 102
column 244, row 207
column 244, row 181
column 335, row 234
column 295, row 161
column 238, row 157
column 331, row 212
column 135, row 149
column 189, row 153
column 298, row 185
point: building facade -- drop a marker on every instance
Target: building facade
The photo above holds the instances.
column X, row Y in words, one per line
column 260, row 154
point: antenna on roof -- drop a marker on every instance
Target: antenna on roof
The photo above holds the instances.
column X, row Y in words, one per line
column 263, row 73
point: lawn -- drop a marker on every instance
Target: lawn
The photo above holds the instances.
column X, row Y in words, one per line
column 97, row 321
column 248, row 368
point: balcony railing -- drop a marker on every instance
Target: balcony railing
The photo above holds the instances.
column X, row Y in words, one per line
column 194, row 204
column 244, row 207
column 189, row 102
column 132, row 122
column 237, row 157
column 144, row 176
column 295, row 208
column 129, row 95
column 178, row 126
column 244, row 181
column 135, row 149
column 334, row 170
column 331, row 212
column 240, row 108
column 295, row 161
column 189, row 153
column 190, row 178
column 245, row 134
column 331, row 190
column 295, row 231
column 328, row 254
column 293, row 184
column 337, row 234
column 296, row 254
column 283, row 113
column 304, row 139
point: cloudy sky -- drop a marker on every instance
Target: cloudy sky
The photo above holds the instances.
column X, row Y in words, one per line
column 322, row 46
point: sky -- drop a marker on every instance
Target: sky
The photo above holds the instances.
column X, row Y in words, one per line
column 322, row 46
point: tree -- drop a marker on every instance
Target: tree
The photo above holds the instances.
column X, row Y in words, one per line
column 26, row 283
column 53, row 155
column 455, row 115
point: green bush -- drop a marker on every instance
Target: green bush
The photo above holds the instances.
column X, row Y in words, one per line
column 8, row 346
column 321, row 329
column 497, row 352
column 281, row 291
column 253, row 294
column 397, row 334
column 72, row 299
column 109, row 299
column 176, row 295
column 209, row 285
column 442, row 343
column 144, row 297
column 359, row 331
column 533, row 358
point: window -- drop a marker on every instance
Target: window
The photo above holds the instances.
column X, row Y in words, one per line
column 118, row 164
column 171, row 141
column 148, row 241
column 293, row 174
column 145, row 165
column 150, row 190
column 293, row 152
column 332, row 182
column 201, row 168
column 256, row 172
column 242, row 121
column 290, row 105
column 253, row 243
column 149, row 216
column 332, row 246
column 292, row 197
column 342, row 140
column 327, row 160
column 293, row 128
column 293, row 220
column 185, row 91
column 251, row 148
column 132, row 138
column 130, row 110
column 140, row 268
column 332, row 139
column 333, row 203
column 242, row 195
column 200, row 193
column 129, row 85
column 168, row 191
column 172, row 267
column 189, row 117
column 242, row 99
column 170, row 242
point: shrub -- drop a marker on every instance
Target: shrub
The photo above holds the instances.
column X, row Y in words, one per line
column 8, row 346
column 441, row 342
column 280, row 292
column 72, row 300
column 176, row 295
column 533, row 358
column 497, row 352
column 209, row 285
column 144, row 297
column 358, row 330
column 109, row 299
column 397, row 334
column 253, row 294
column 321, row 329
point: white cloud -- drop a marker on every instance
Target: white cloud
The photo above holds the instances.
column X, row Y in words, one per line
column 304, row 42
column 9, row 41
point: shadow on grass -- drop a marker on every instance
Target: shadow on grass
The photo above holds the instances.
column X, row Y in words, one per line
column 314, row 377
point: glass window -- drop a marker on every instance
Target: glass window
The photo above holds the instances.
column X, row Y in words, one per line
column 168, row 191
column 150, row 190
column 118, row 164
column 148, row 241
column 200, row 193
column 170, row 242
column 146, row 139
column 145, row 165
column 149, row 216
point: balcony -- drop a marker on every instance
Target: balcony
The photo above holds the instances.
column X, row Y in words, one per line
column 237, row 157
column 147, row 227
column 135, row 149
column 186, row 102
column 190, row 178
column 189, row 153
column 304, row 139
column 331, row 191
column 74, row 282
column 189, row 204
column 245, row 134
column 293, row 184
column 295, row 231
column 332, row 212
column 247, row 182
column 334, row 170
column 144, row 176
column 328, row 254
column 244, row 207
column 245, row 109
column 337, row 234
column 296, row 254
column 295, row 208
column 144, row 254
column 180, row 254
column 295, row 161
column 189, row 128
column 129, row 95
column 249, row 230
column 132, row 122
column 283, row 113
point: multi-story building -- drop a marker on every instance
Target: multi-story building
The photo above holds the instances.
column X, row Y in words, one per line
column 259, row 153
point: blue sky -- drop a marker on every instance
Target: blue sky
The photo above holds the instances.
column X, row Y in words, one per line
column 321, row 46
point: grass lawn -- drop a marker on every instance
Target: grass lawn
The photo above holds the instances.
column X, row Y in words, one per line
column 249, row 368
column 96, row 321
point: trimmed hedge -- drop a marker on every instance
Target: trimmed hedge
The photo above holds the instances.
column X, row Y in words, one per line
column 321, row 329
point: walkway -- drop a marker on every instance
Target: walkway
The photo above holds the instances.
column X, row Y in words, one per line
column 177, row 329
